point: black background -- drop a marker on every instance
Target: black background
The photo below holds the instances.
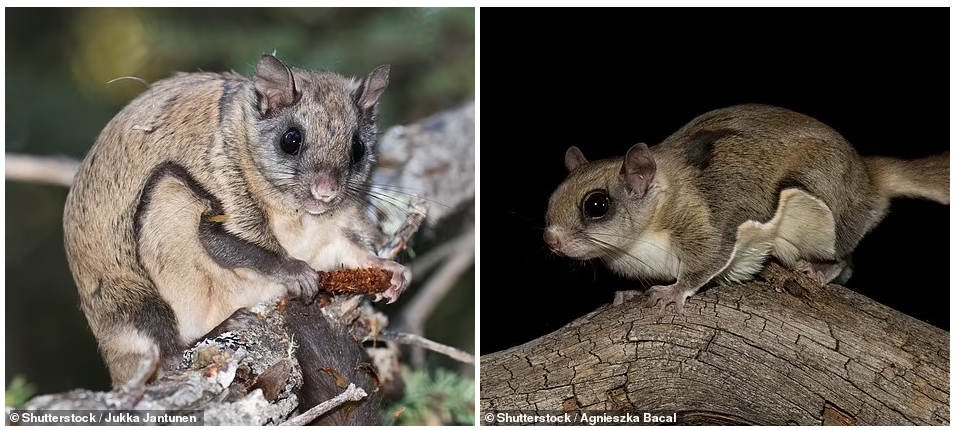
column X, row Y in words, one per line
column 606, row 79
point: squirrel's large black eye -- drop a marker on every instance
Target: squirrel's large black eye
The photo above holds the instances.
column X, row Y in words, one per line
column 291, row 141
column 596, row 205
column 357, row 150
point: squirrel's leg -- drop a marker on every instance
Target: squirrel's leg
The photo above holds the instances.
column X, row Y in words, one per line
column 201, row 270
column 695, row 274
column 806, row 237
column 677, row 293
column 822, row 273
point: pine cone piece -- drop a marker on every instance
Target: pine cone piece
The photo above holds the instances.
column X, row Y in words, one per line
column 365, row 280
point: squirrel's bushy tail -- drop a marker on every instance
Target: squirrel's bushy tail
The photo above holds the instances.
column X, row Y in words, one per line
column 925, row 178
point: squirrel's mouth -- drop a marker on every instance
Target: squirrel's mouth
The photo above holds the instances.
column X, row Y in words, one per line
column 317, row 207
column 314, row 207
column 323, row 195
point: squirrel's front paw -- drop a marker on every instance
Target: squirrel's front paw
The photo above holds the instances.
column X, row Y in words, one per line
column 400, row 278
column 299, row 279
column 665, row 296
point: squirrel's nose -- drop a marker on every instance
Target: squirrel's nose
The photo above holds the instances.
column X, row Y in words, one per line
column 553, row 241
column 324, row 188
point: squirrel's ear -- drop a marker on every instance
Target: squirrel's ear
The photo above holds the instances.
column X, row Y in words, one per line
column 372, row 87
column 574, row 158
column 274, row 84
column 638, row 170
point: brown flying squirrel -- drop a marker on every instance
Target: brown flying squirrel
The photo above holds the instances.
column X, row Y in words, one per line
column 725, row 192
column 285, row 156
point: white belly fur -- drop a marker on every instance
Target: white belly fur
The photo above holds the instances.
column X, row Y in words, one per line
column 649, row 257
column 321, row 242
column 802, row 228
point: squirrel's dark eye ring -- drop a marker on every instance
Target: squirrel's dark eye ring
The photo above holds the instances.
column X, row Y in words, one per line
column 291, row 141
column 357, row 150
column 596, row 205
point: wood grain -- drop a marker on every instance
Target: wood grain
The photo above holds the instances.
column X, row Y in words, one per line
column 774, row 351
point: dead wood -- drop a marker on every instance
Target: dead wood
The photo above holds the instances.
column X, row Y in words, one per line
column 774, row 351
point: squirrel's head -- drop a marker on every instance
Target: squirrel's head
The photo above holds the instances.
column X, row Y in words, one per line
column 314, row 135
column 602, row 206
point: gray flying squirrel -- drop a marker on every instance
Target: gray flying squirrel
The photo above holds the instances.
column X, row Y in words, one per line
column 210, row 193
column 725, row 192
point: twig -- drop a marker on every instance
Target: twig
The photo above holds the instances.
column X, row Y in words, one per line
column 351, row 394
column 134, row 78
column 413, row 339
column 44, row 170
column 424, row 302
column 439, row 284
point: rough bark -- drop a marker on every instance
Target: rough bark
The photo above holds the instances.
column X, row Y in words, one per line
column 433, row 158
column 774, row 351
column 247, row 376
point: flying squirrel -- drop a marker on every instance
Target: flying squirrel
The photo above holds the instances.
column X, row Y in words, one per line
column 730, row 189
column 213, row 192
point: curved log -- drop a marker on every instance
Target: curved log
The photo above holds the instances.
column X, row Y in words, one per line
column 774, row 351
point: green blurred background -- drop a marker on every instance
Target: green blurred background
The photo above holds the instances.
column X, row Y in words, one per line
column 57, row 64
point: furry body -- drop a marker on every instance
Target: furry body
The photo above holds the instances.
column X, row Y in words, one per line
column 730, row 189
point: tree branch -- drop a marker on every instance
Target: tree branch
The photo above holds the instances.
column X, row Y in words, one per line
column 460, row 258
column 413, row 339
column 351, row 394
column 433, row 158
column 770, row 352
column 38, row 169
column 423, row 304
